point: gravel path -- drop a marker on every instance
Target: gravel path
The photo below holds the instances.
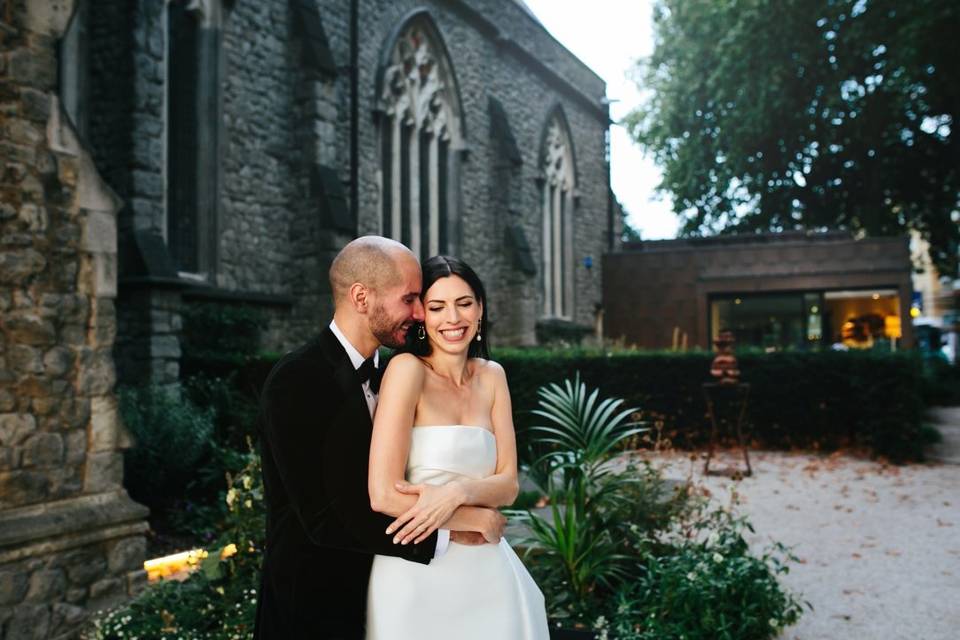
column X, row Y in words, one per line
column 879, row 544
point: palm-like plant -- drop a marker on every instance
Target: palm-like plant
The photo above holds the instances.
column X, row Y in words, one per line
column 584, row 434
column 576, row 550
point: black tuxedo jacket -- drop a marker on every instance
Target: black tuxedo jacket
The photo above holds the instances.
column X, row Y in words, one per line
column 321, row 531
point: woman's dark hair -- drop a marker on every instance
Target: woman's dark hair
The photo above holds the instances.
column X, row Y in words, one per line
column 443, row 267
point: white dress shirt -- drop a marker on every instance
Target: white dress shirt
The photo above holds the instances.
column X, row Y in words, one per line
column 357, row 359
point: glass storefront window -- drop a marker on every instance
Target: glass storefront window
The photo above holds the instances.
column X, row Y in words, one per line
column 863, row 319
column 859, row 319
column 772, row 322
column 813, row 310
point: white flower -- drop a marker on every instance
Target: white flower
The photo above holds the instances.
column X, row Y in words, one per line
column 713, row 538
column 718, row 558
column 231, row 496
column 773, row 622
column 691, row 577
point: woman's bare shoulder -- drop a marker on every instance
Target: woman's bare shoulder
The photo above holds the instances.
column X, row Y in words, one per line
column 406, row 365
column 489, row 369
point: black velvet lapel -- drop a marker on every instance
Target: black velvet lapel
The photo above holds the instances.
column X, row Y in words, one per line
column 343, row 371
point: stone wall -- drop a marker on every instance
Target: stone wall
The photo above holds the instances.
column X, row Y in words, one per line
column 70, row 538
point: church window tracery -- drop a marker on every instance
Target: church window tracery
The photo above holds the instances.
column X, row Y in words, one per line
column 420, row 139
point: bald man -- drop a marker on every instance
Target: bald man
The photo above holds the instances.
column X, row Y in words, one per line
column 316, row 416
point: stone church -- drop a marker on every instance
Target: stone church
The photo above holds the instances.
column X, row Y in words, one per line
column 158, row 154
column 249, row 141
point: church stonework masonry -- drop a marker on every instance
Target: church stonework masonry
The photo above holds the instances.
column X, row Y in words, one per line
column 71, row 540
column 250, row 141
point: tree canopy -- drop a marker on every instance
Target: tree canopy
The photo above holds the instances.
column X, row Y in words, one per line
column 807, row 114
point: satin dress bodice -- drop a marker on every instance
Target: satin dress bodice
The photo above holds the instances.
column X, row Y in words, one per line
column 439, row 454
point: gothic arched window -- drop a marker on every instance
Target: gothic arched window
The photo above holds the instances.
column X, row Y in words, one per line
column 558, row 180
column 420, row 137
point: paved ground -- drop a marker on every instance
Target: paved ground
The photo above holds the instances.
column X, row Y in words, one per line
column 879, row 544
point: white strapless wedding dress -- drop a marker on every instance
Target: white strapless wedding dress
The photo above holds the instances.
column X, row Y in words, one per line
column 470, row 592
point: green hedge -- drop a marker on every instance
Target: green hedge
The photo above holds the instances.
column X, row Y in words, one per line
column 811, row 400
column 819, row 400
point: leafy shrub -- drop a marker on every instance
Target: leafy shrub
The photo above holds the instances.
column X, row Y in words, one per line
column 217, row 602
column 171, row 436
column 622, row 553
column 218, row 337
column 820, row 400
column 234, row 407
column 706, row 588
column 696, row 594
column 187, row 438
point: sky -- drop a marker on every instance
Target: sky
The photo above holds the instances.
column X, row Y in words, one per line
column 609, row 35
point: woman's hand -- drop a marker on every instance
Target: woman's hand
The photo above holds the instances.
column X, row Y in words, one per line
column 434, row 506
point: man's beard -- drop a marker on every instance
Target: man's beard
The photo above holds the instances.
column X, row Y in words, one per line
column 388, row 332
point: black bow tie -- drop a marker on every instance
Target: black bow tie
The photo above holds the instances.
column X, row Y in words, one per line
column 369, row 371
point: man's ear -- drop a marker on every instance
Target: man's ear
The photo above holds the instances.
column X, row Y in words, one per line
column 359, row 297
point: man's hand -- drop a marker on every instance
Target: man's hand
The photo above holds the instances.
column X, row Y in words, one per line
column 471, row 538
column 493, row 530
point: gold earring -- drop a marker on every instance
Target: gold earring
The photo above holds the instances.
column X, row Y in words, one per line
column 421, row 333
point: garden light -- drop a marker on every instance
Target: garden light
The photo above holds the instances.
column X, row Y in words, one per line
column 178, row 566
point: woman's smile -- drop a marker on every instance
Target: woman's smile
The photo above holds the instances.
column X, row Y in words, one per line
column 455, row 334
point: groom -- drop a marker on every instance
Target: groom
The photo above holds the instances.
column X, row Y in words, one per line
column 316, row 416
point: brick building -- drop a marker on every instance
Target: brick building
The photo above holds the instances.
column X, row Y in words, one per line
column 774, row 291
column 249, row 141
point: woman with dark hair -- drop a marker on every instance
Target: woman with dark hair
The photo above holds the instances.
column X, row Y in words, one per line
column 443, row 267
column 444, row 432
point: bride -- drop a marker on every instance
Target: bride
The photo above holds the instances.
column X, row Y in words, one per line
column 444, row 431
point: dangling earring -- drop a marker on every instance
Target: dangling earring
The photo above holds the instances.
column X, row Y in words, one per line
column 479, row 337
column 421, row 333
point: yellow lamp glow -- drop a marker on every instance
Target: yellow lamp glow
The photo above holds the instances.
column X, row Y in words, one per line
column 891, row 327
column 178, row 566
